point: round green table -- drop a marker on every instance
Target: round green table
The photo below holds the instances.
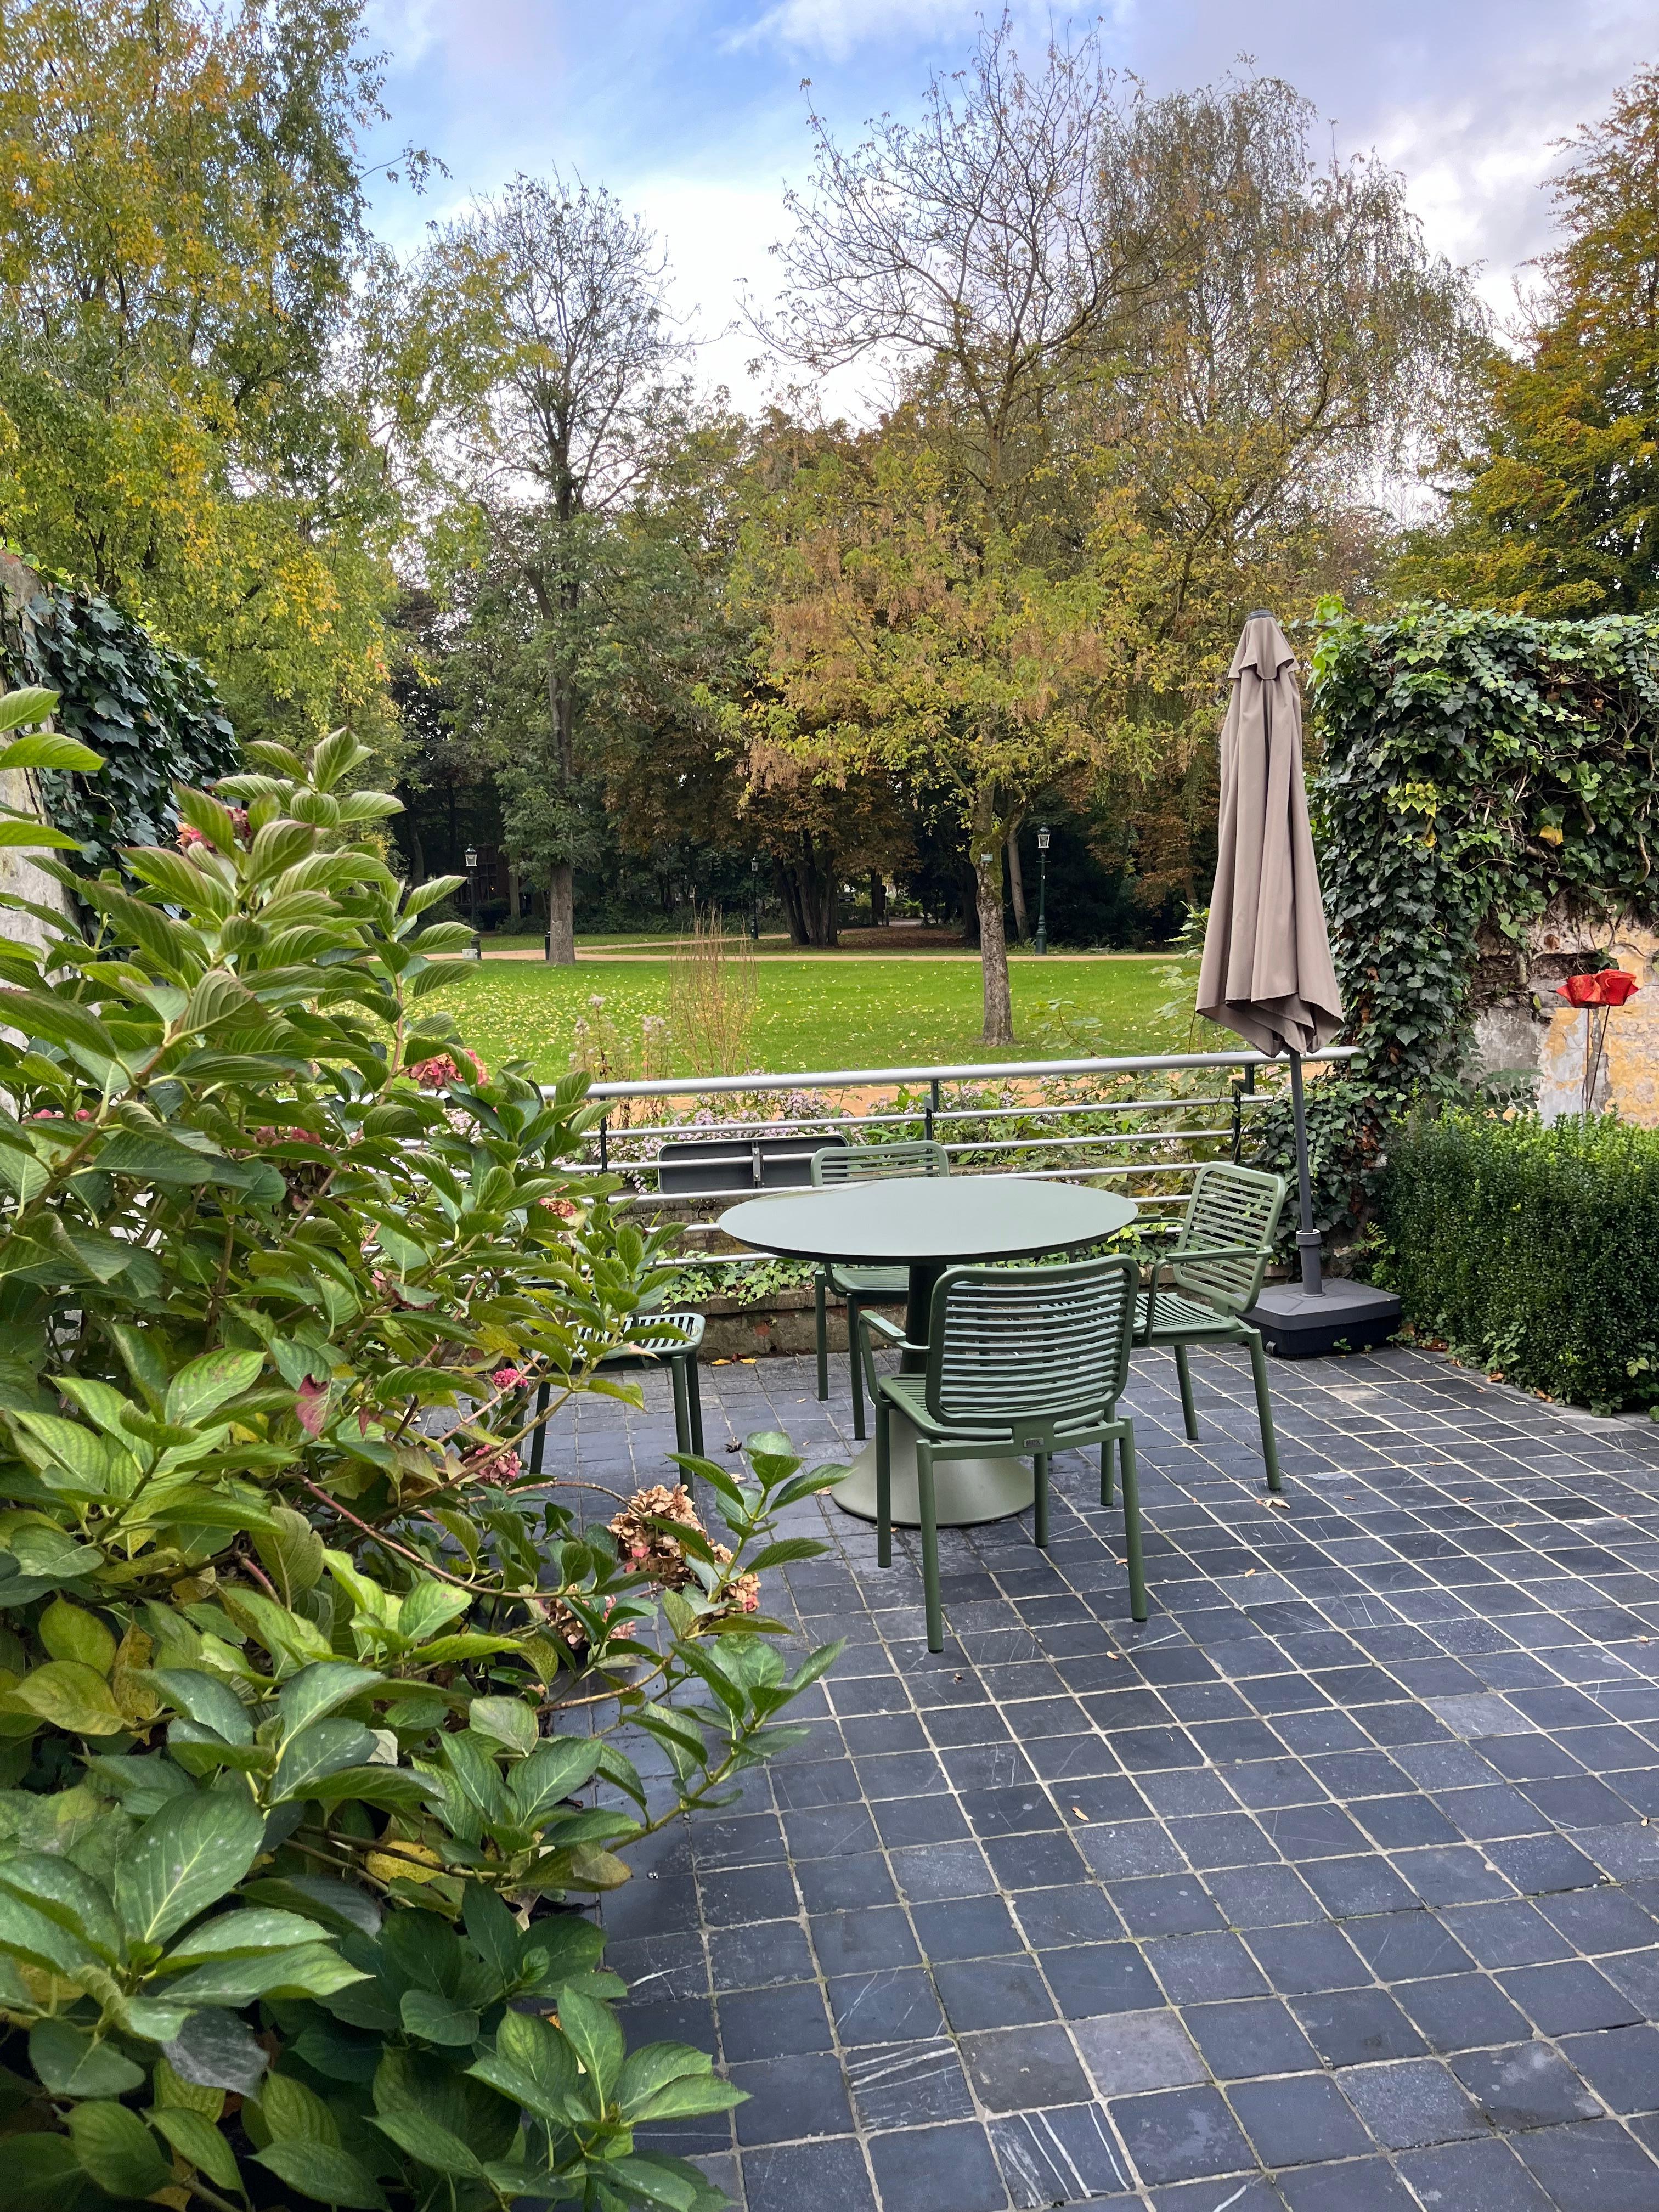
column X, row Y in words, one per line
column 926, row 1223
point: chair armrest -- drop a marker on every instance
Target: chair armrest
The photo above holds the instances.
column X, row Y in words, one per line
column 1178, row 1257
column 896, row 1337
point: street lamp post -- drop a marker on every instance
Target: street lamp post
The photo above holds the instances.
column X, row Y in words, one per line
column 1042, row 945
column 754, row 923
column 472, row 896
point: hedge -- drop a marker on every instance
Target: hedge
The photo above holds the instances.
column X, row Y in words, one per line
column 1533, row 1249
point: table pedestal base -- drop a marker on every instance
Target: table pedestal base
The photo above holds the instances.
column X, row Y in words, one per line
column 967, row 1491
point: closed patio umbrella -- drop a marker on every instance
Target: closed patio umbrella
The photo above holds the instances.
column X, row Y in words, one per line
column 1266, row 972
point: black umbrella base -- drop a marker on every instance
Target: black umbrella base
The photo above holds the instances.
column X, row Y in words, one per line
column 1344, row 1317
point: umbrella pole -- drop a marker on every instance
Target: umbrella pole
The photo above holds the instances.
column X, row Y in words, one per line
column 1307, row 1239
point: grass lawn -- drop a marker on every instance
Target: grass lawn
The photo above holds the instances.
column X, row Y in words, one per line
column 813, row 1013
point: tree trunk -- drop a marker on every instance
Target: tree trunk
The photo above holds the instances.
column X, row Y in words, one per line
column 877, row 899
column 562, row 914
column 512, row 895
column 1017, row 885
column 993, row 944
column 810, row 895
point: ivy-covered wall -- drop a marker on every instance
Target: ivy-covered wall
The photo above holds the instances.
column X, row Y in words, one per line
column 1480, row 771
column 151, row 712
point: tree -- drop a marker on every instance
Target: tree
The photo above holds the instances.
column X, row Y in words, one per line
column 185, row 423
column 561, row 297
column 1555, row 508
column 1146, row 355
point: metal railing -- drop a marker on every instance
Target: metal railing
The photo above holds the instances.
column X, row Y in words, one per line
column 1077, row 1119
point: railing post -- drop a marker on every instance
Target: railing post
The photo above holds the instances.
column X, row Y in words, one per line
column 930, row 1109
column 1237, row 1088
column 604, row 1145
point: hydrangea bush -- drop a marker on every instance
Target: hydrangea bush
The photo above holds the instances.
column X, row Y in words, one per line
column 301, row 1764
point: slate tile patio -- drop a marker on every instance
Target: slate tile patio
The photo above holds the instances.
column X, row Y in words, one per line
column 1333, row 1888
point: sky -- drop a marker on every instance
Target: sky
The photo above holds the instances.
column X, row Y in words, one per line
column 692, row 111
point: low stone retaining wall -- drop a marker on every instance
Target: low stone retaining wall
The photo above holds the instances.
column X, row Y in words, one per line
column 785, row 1323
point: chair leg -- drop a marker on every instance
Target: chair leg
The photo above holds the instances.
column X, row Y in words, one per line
column 682, row 1411
column 1125, row 1445
column 1106, row 1451
column 1040, row 1496
column 929, row 1548
column 1264, row 1408
column 1187, row 1412
column 884, row 1483
column 857, row 1368
column 819, row 1285
column 539, row 1441
column 694, row 1395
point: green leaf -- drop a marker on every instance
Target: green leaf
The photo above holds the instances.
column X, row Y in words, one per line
column 32, row 703
column 194, row 2136
column 207, row 1700
column 438, row 2019
column 36, row 836
column 309, row 1970
column 184, row 1859
column 42, row 2173
column 509, row 1721
column 71, row 2065
column 203, row 1385
column 323, row 1748
column 117, row 2150
column 294, row 2113
column 47, row 748
column 70, row 1696
column 323, row 2171
column 392, row 1788
column 432, row 2145
column 319, row 1690
column 534, row 2064
column 61, row 1021
column 558, row 1765
column 595, row 2037
column 215, row 2049
column 69, row 1632
column 242, row 1934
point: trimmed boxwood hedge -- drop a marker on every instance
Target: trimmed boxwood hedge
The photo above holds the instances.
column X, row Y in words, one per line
column 1532, row 1249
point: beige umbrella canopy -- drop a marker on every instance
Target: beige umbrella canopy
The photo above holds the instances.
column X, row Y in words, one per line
column 1267, row 971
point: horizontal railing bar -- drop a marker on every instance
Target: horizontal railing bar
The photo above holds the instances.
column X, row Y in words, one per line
column 1048, row 1143
column 846, row 1079
column 764, row 1130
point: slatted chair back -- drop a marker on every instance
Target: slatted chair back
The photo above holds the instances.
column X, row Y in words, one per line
column 1009, row 1344
column 839, row 1164
column 1230, row 1208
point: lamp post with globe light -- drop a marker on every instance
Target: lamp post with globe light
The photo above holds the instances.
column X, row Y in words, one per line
column 1041, row 944
column 754, row 920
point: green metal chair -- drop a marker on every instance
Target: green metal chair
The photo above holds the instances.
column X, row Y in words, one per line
column 674, row 1343
column 1216, row 1267
column 1021, row 1362
column 860, row 1287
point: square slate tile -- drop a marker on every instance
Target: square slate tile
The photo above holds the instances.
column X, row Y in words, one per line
column 938, row 2169
column 1079, row 1912
column 791, row 2098
column 863, row 1940
column 1182, row 2135
column 1195, row 1968
column 887, row 2007
column 1047, row 2157
column 1473, row 2176
column 1347, row 2028
column 771, row 2023
column 1130, row 2052
column 1412, row 2103
column 1014, row 2069
column 1298, row 1961
column 1297, row 2119
column 815, row 2177
column 905, row 2085
column 1362, row 2184
column 1088, row 1978
column 1529, row 2085
column 1621, row 2064
column 1568, row 1999
column 1257, row 2036
column 993, row 1993
column 1592, row 2167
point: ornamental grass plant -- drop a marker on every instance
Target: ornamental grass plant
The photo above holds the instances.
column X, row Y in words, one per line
column 1532, row 1249
column 318, row 1719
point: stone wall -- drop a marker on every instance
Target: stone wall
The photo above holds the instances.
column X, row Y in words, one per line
column 20, row 790
column 1522, row 1024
